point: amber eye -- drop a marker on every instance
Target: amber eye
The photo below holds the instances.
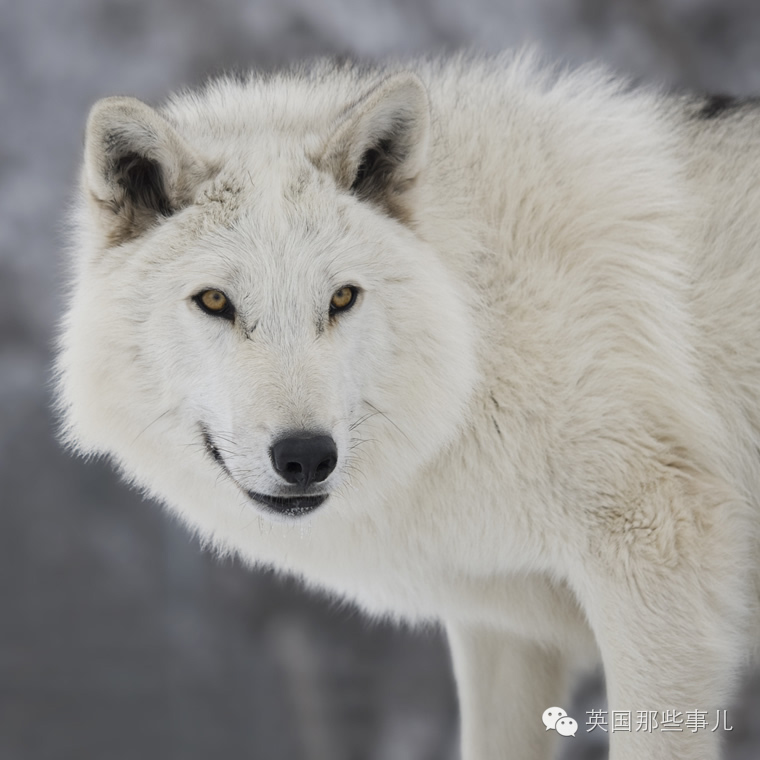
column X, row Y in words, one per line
column 214, row 302
column 343, row 299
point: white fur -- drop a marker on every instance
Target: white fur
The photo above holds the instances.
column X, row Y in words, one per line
column 546, row 402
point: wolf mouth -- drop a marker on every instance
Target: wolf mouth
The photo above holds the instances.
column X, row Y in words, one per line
column 292, row 506
column 289, row 506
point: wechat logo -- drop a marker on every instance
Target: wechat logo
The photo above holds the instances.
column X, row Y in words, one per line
column 558, row 720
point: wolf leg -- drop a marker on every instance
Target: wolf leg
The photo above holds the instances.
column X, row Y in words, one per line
column 505, row 682
column 666, row 590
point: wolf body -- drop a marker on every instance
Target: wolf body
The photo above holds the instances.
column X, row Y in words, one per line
column 467, row 341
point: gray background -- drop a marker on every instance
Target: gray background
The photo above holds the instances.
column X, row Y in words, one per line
column 119, row 638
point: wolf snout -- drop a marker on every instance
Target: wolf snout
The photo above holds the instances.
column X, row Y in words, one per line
column 302, row 459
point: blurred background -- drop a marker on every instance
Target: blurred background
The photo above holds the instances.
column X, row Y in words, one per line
column 119, row 637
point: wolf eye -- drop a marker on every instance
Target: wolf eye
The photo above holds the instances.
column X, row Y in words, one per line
column 214, row 302
column 343, row 299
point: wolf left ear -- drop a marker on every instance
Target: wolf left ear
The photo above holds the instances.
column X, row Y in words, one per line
column 137, row 168
column 379, row 147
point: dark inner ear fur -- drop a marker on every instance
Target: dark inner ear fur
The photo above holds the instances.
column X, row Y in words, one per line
column 137, row 168
column 378, row 147
column 375, row 170
column 142, row 180
column 379, row 177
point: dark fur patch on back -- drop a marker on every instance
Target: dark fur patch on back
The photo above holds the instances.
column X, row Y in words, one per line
column 717, row 106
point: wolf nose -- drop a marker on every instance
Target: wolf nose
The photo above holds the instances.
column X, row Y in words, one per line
column 303, row 460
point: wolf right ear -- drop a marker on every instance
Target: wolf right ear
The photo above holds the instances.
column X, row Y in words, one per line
column 137, row 168
column 379, row 147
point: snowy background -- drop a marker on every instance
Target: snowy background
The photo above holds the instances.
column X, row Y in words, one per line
column 119, row 638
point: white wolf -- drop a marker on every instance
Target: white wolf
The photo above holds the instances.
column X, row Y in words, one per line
column 491, row 333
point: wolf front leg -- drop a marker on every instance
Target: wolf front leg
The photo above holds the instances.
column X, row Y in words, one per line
column 666, row 589
column 505, row 682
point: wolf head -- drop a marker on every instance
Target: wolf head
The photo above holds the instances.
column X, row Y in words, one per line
column 256, row 324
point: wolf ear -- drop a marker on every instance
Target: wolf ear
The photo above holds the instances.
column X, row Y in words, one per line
column 137, row 168
column 380, row 145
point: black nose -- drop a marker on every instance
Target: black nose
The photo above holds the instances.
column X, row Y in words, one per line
column 304, row 459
